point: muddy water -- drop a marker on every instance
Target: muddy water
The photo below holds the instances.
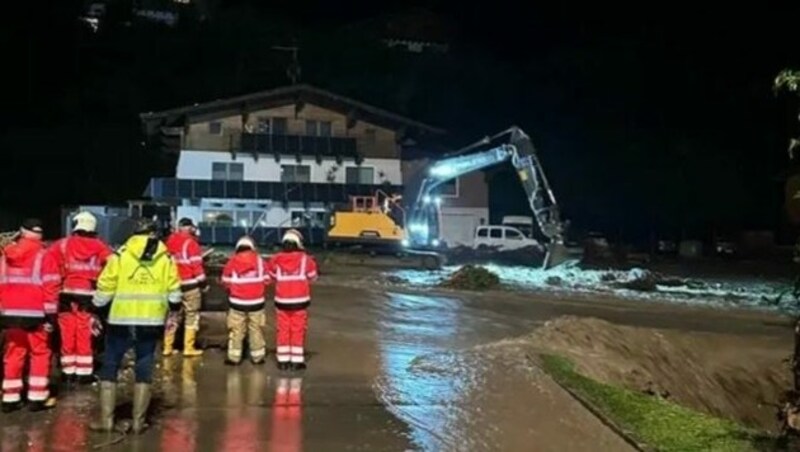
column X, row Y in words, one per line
column 455, row 399
column 387, row 371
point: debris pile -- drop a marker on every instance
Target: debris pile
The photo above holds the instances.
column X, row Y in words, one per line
column 471, row 277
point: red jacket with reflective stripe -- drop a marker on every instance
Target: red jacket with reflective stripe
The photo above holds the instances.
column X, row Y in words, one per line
column 80, row 260
column 245, row 276
column 292, row 273
column 183, row 247
column 29, row 281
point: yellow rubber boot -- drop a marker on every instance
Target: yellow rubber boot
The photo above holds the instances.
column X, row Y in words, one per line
column 188, row 344
column 169, row 342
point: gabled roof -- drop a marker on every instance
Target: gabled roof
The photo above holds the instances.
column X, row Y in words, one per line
column 300, row 93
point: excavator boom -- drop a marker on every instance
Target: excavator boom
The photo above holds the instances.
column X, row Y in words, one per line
column 514, row 145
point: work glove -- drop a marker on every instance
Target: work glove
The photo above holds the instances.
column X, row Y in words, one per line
column 96, row 326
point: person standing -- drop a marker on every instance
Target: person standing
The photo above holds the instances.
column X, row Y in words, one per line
column 80, row 258
column 292, row 269
column 140, row 282
column 29, row 283
column 185, row 250
column 246, row 278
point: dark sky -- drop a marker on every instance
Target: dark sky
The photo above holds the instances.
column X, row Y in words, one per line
column 648, row 119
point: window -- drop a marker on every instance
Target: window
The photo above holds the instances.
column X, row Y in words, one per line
column 325, row 129
column 295, row 173
column 483, row 232
column 299, row 219
column 243, row 218
column 274, row 126
column 448, row 189
column 218, row 217
column 311, row 128
column 496, row 233
column 279, row 126
column 360, row 175
column 316, row 128
column 215, row 128
column 227, row 171
column 513, row 235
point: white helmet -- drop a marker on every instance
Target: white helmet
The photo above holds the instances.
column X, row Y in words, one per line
column 246, row 242
column 293, row 236
column 84, row 221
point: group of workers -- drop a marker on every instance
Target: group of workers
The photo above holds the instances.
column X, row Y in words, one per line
column 136, row 296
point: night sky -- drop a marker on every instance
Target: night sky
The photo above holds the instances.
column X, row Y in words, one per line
column 649, row 120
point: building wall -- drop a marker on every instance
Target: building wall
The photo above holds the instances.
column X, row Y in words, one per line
column 249, row 213
column 371, row 140
column 198, row 165
column 458, row 224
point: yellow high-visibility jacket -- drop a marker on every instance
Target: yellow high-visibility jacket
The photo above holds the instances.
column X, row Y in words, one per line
column 137, row 286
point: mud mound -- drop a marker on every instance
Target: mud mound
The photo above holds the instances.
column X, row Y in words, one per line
column 737, row 377
column 470, row 277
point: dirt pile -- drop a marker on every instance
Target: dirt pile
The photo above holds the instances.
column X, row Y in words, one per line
column 738, row 377
column 470, row 277
column 532, row 256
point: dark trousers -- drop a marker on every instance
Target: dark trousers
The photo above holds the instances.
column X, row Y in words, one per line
column 120, row 339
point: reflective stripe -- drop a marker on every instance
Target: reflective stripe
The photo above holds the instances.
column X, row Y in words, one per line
column 139, row 297
column 22, row 313
column 297, row 350
column 11, row 397
column 188, row 281
column 22, row 276
column 12, row 384
column 68, row 359
column 258, row 353
column 284, row 349
column 279, row 276
column 141, row 321
column 247, row 302
column 83, row 371
column 283, row 358
column 297, row 358
column 84, row 359
column 38, row 396
column 312, row 275
column 292, row 300
column 38, row 381
column 51, row 308
column 69, row 370
column 78, row 291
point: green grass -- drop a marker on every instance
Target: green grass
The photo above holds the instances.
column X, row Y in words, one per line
column 653, row 422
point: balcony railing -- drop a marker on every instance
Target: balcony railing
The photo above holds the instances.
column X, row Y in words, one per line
column 265, row 143
column 174, row 189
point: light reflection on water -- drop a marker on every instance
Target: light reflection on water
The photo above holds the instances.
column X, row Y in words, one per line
column 413, row 326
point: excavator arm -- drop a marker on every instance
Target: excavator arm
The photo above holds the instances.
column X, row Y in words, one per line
column 514, row 145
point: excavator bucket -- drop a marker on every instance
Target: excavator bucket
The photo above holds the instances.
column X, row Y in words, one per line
column 557, row 254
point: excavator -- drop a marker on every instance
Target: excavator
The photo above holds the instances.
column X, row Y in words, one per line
column 413, row 226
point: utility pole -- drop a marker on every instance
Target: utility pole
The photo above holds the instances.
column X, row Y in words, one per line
column 293, row 71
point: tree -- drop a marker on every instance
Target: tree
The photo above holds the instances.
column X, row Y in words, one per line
column 789, row 81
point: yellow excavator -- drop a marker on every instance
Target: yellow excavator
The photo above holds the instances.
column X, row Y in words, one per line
column 412, row 228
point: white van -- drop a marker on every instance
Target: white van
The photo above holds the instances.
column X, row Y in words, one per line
column 502, row 238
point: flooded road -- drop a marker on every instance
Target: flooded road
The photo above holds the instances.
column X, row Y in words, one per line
column 387, row 371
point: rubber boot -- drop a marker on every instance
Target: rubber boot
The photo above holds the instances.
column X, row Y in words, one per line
column 10, row 407
column 43, row 405
column 188, row 344
column 108, row 402
column 169, row 342
column 141, row 401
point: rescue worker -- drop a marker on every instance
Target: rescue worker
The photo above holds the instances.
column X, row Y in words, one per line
column 29, row 283
column 80, row 258
column 292, row 270
column 245, row 276
column 186, row 252
column 142, row 280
